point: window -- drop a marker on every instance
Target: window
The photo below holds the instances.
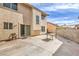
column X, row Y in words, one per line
column 5, row 25
column 43, row 28
column 14, row 6
column 37, row 19
column 8, row 25
column 6, row 5
column 10, row 5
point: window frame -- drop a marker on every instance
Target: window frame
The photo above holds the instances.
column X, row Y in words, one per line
column 5, row 25
column 8, row 25
column 11, row 5
column 14, row 6
column 6, row 5
column 37, row 19
column 43, row 28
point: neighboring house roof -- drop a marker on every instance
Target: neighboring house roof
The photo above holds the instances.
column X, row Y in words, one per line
column 36, row 9
column 52, row 23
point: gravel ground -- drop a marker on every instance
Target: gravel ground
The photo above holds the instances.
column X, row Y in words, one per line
column 68, row 48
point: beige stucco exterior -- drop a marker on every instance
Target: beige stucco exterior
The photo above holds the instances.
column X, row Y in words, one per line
column 44, row 23
column 29, row 18
column 36, row 27
column 25, row 14
column 9, row 16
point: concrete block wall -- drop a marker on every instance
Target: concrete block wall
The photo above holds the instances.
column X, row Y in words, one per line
column 71, row 34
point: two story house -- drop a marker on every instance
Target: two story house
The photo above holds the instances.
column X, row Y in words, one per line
column 22, row 19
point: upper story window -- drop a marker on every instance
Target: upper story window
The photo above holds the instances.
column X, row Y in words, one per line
column 10, row 5
column 6, row 5
column 14, row 6
column 37, row 19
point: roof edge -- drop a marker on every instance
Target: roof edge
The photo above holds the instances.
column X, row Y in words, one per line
column 52, row 23
column 36, row 8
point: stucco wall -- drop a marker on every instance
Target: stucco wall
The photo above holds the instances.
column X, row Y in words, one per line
column 9, row 16
column 44, row 23
column 27, row 13
column 29, row 18
column 35, row 27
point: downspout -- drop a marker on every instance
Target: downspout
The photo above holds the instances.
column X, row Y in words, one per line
column 18, row 29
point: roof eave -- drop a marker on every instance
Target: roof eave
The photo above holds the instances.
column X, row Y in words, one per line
column 43, row 13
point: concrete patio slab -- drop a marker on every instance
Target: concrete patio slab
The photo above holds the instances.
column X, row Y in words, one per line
column 32, row 46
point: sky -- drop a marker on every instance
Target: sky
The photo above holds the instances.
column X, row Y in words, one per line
column 60, row 13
